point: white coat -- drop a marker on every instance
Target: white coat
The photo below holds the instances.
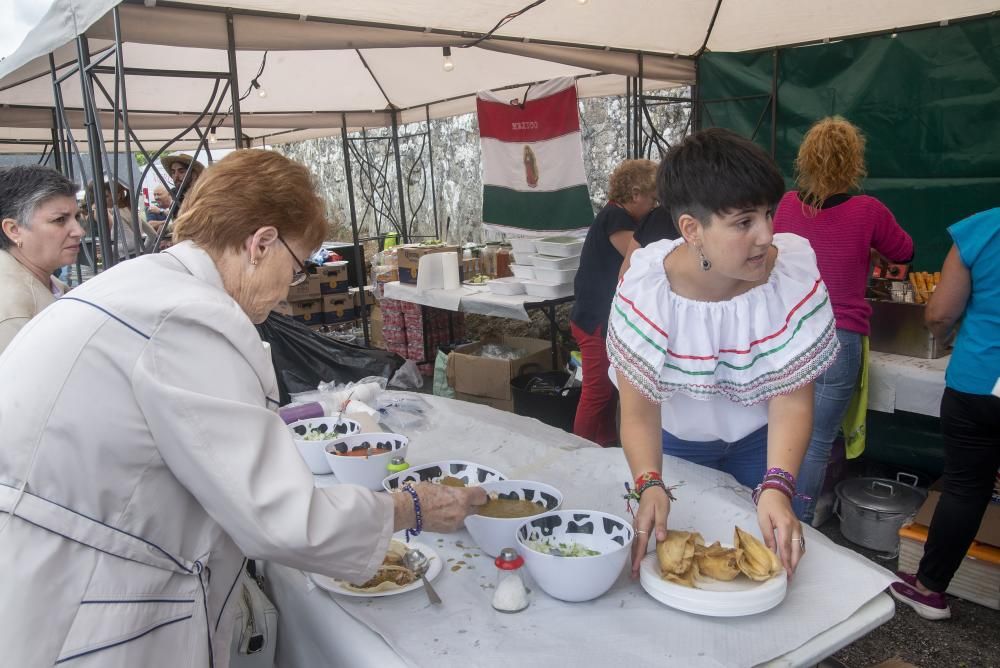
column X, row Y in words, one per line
column 139, row 456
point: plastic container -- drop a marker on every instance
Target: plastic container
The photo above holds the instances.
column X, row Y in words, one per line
column 553, row 262
column 523, row 270
column 506, row 286
column 547, row 290
column 523, row 246
column 541, row 396
column 488, row 259
column 504, row 260
column 561, row 246
column 554, row 276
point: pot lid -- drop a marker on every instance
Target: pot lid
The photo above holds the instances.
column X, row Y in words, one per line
column 880, row 494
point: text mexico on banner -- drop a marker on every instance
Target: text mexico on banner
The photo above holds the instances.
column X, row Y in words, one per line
column 533, row 176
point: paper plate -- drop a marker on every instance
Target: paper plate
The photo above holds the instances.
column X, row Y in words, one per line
column 715, row 598
column 335, row 586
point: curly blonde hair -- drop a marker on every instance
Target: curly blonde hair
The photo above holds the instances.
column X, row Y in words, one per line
column 629, row 175
column 831, row 160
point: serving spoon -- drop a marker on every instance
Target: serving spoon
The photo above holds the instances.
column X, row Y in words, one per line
column 418, row 562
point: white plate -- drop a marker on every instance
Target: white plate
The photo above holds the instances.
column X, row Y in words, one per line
column 337, row 586
column 715, row 598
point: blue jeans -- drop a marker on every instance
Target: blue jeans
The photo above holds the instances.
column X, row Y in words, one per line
column 833, row 393
column 745, row 459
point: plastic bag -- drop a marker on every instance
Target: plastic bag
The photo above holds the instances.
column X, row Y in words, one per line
column 500, row 351
column 303, row 359
column 408, row 377
column 441, row 386
column 402, row 413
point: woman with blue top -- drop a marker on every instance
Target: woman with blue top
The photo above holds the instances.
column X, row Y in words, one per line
column 970, row 408
column 716, row 338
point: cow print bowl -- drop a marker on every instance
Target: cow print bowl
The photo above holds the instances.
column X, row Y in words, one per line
column 492, row 534
column 575, row 578
column 322, row 431
column 363, row 459
column 469, row 473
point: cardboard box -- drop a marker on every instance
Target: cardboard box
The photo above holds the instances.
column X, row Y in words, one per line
column 977, row 578
column 989, row 528
column 332, row 280
column 489, row 378
column 499, row 404
column 309, row 312
column 308, row 290
column 408, row 258
column 375, row 337
column 337, row 308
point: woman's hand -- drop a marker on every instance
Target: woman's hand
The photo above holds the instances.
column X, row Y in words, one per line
column 774, row 514
column 442, row 508
column 650, row 519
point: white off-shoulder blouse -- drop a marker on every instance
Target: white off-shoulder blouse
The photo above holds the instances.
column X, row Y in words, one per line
column 713, row 366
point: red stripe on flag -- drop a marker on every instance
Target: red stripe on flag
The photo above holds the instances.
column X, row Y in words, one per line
column 546, row 118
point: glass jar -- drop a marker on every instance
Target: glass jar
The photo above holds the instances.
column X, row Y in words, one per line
column 504, row 259
column 511, row 593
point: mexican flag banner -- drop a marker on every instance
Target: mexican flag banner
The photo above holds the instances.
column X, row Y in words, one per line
column 533, row 178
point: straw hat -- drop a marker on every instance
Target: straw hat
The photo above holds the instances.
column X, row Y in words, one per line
column 185, row 160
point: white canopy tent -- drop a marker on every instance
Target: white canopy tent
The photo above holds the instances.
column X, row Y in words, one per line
column 334, row 61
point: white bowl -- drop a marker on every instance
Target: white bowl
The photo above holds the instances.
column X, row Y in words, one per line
column 367, row 471
column 314, row 452
column 576, row 578
column 468, row 472
column 492, row 534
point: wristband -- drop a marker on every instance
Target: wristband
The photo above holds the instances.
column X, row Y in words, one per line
column 649, row 475
column 419, row 525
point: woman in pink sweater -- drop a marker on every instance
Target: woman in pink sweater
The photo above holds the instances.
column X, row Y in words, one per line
column 842, row 228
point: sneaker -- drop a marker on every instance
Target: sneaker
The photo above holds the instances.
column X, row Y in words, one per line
column 931, row 606
column 908, row 578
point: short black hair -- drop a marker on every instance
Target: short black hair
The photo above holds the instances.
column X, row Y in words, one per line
column 23, row 188
column 716, row 170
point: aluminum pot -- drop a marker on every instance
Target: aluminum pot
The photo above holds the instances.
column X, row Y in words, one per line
column 872, row 510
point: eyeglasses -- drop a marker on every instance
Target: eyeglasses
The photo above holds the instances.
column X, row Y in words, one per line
column 299, row 277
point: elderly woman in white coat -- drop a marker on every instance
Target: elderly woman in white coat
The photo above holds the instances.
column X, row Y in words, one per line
column 141, row 454
column 39, row 233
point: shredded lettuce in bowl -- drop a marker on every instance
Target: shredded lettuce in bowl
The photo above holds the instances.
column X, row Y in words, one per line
column 561, row 549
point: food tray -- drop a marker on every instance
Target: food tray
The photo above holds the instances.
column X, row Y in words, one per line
column 547, row 290
column 561, row 246
column 523, row 245
column 523, row 270
column 554, row 276
column 506, row 286
column 554, row 262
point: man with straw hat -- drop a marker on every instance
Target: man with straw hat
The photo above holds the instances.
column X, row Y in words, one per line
column 177, row 166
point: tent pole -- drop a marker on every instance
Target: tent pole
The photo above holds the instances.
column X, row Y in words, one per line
column 628, row 117
column 234, row 84
column 430, row 157
column 56, row 140
column 399, row 176
column 774, row 102
column 359, row 256
column 123, row 110
column 95, row 146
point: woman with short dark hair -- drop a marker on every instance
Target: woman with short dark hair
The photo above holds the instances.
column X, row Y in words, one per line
column 38, row 235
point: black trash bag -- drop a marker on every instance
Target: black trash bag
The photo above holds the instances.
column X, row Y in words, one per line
column 303, row 359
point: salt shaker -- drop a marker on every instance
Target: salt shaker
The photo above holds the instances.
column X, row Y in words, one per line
column 510, row 595
column 397, row 464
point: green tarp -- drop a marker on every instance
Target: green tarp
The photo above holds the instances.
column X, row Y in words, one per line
column 928, row 102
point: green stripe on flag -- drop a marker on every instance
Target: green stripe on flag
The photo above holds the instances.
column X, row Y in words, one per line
column 566, row 209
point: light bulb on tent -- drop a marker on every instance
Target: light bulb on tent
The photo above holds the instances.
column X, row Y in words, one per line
column 211, row 136
column 581, row 2
column 448, row 64
column 260, row 89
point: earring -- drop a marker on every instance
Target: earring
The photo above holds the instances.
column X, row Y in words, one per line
column 20, row 244
column 706, row 264
column 253, row 262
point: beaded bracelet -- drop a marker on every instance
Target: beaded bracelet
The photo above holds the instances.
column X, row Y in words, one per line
column 419, row 525
column 775, row 471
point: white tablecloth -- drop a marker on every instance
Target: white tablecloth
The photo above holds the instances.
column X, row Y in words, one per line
column 470, row 299
column 898, row 382
column 833, row 599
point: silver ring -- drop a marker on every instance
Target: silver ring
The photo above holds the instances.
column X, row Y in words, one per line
column 801, row 541
column 640, row 531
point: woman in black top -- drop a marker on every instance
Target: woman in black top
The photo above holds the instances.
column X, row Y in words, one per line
column 632, row 195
